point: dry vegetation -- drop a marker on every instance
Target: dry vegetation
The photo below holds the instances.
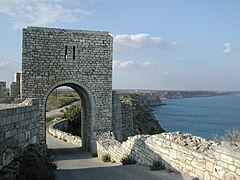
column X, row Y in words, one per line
column 61, row 98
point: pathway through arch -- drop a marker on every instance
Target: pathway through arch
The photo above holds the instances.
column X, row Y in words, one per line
column 75, row 164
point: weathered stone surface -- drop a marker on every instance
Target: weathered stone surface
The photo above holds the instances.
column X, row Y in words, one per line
column 146, row 149
column 55, row 129
column 231, row 176
column 79, row 59
column 209, row 166
column 18, row 128
column 226, row 158
column 8, row 156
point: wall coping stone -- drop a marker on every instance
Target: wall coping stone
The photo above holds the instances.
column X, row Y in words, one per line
column 70, row 30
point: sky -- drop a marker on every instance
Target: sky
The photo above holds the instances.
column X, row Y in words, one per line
column 158, row 44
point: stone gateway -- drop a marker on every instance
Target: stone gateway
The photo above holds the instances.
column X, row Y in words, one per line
column 78, row 59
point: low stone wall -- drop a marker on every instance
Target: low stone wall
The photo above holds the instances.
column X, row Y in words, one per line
column 184, row 153
column 57, row 128
column 18, row 128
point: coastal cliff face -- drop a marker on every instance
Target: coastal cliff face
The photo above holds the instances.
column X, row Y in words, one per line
column 153, row 97
column 188, row 94
column 143, row 121
column 144, row 99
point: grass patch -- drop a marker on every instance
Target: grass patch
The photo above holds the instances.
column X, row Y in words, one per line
column 106, row 158
column 157, row 165
column 128, row 160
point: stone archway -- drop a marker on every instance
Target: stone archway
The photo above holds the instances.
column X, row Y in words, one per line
column 75, row 58
column 87, row 106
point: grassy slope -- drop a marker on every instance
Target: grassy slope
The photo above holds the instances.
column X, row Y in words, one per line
column 60, row 99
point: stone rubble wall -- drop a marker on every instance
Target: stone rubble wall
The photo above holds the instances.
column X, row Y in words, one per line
column 122, row 118
column 117, row 116
column 56, row 130
column 18, row 128
column 127, row 119
column 184, row 153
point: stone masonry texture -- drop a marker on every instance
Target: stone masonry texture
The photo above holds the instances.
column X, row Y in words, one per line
column 18, row 128
column 79, row 59
column 179, row 152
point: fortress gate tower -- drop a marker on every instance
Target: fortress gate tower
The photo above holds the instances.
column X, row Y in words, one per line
column 78, row 59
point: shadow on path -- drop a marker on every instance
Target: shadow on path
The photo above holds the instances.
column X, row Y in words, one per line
column 73, row 163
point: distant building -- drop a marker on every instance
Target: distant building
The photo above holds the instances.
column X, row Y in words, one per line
column 15, row 87
column 3, row 89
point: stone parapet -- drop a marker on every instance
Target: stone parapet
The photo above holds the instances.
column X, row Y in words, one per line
column 184, row 153
column 18, row 128
column 56, row 130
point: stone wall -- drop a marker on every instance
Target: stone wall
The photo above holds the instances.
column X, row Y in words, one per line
column 117, row 116
column 184, row 153
column 57, row 128
column 122, row 118
column 78, row 59
column 18, row 128
column 127, row 120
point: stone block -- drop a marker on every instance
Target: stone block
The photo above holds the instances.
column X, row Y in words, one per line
column 218, row 172
column 232, row 168
column 226, row 158
column 207, row 176
column 222, row 164
column 231, row 176
column 8, row 134
column 209, row 166
column 199, row 173
column 237, row 163
column 8, row 156
column 199, row 164
column 238, row 171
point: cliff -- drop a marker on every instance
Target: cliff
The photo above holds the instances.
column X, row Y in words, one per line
column 143, row 121
column 153, row 97
column 189, row 94
column 144, row 99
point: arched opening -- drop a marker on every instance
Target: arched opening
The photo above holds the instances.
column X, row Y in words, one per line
column 73, row 94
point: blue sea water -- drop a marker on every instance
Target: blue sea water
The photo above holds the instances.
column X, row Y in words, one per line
column 204, row 116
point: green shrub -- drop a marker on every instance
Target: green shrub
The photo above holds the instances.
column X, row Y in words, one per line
column 106, row 158
column 73, row 114
column 128, row 160
column 157, row 165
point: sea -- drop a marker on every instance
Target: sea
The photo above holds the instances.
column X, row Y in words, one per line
column 200, row 116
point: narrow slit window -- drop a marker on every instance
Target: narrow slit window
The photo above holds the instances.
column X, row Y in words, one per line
column 66, row 48
column 73, row 52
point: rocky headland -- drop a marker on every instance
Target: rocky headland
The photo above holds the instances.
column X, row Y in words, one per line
column 144, row 121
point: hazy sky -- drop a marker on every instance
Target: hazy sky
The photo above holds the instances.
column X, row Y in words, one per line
column 158, row 44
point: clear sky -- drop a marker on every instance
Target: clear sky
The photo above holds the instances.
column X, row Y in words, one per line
column 158, row 44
